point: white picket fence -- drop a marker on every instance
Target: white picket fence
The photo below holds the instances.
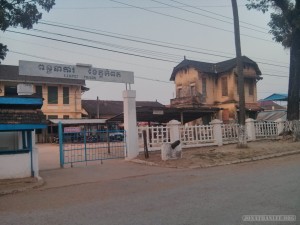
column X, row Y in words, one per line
column 195, row 136
column 266, row 130
column 206, row 135
column 230, row 133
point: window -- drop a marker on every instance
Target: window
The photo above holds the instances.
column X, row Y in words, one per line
column 66, row 116
column 179, row 92
column 39, row 91
column 10, row 90
column 193, row 90
column 204, row 87
column 52, row 95
column 224, row 86
column 65, row 95
column 251, row 87
column 52, row 117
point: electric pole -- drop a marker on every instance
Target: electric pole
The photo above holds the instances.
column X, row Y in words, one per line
column 242, row 142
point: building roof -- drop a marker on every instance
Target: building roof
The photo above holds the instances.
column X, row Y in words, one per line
column 214, row 68
column 21, row 102
column 113, row 108
column 78, row 121
column 269, row 105
column 166, row 114
column 11, row 73
column 276, row 97
column 271, row 115
column 21, row 112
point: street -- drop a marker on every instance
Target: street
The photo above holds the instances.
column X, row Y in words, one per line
column 217, row 195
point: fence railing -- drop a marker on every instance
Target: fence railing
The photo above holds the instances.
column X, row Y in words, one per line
column 266, row 129
column 155, row 136
column 230, row 133
column 205, row 135
column 195, row 136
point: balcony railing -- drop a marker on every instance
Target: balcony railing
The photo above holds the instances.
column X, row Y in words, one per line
column 189, row 100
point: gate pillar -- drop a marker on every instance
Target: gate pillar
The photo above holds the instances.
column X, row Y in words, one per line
column 130, row 124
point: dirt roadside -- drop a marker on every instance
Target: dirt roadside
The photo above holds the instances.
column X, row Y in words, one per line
column 226, row 154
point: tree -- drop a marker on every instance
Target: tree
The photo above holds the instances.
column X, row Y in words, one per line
column 20, row 13
column 285, row 27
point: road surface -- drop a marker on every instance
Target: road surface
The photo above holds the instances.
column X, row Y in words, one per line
column 211, row 196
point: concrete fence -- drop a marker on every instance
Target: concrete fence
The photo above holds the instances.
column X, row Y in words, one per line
column 217, row 133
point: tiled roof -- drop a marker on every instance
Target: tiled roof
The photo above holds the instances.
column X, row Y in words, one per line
column 21, row 110
column 213, row 68
column 15, row 116
column 11, row 73
column 270, row 105
column 112, row 108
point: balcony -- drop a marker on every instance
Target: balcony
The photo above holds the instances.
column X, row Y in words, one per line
column 188, row 101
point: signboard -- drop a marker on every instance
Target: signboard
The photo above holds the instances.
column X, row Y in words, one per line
column 80, row 72
column 72, row 129
column 158, row 112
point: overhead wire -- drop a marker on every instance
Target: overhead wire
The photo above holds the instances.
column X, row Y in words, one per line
column 216, row 14
column 116, row 35
column 220, row 20
column 94, row 47
column 190, row 21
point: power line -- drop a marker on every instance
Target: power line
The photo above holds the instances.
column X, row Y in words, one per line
column 133, row 40
column 207, row 11
column 81, row 53
column 83, row 29
column 149, row 7
column 186, row 10
column 186, row 20
column 94, row 47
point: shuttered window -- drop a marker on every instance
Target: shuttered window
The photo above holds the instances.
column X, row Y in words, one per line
column 52, row 95
column 65, row 95
column 224, row 86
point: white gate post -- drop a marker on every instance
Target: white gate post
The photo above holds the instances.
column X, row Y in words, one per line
column 280, row 125
column 174, row 130
column 217, row 131
column 250, row 129
column 130, row 124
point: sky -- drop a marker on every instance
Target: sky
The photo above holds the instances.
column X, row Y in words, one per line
column 149, row 38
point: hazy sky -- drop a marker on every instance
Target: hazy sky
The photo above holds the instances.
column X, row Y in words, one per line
column 166, row 30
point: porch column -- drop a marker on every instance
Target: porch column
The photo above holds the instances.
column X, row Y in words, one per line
column 130, row 124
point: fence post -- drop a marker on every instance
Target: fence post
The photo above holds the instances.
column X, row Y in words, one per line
column 217, row 131
column 129, row 107
column 250, row 129
column 280, row 126
column 174, row 130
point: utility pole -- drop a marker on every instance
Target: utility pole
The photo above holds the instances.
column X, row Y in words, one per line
column 242, row 142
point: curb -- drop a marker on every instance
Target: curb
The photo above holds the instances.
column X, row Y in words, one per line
column 32, row 185
column 256, row 158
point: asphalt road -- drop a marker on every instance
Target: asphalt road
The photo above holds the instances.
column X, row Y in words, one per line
column 219, row 195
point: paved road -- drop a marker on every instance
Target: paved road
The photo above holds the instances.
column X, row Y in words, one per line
column 219, row 195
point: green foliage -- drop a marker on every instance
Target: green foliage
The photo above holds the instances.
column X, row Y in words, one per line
column 284, row 19
column 22, row 13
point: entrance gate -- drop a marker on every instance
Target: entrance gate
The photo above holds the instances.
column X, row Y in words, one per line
column 87, row 146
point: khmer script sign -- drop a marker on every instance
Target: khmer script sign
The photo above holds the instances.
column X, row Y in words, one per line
column 80, row 72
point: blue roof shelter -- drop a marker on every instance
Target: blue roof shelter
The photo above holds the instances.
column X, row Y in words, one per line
column 276, row 97
column 19, row 116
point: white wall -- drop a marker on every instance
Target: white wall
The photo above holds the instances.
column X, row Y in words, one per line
column 15, row 166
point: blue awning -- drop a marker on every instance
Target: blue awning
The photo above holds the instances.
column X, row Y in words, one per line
column 276, row 97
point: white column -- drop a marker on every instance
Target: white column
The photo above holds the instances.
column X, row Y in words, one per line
column 130, row 124
column 35, row 156
column 280, row 126
column 174, row 130
column 217, row 131
column 250, row 129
